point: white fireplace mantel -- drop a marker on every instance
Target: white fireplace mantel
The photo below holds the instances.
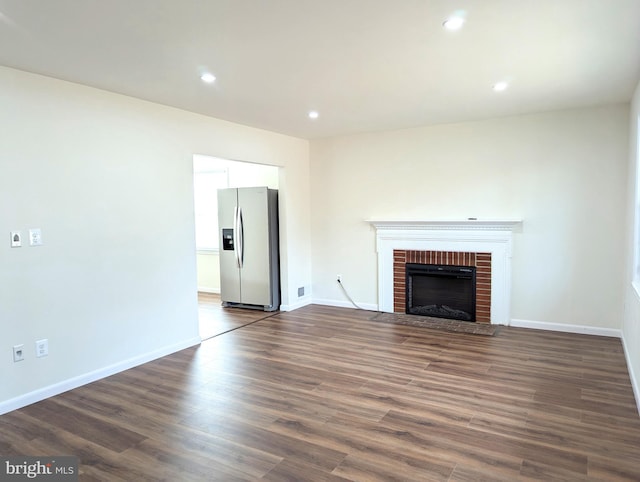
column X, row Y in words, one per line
column 469, row 235
column 468, row 224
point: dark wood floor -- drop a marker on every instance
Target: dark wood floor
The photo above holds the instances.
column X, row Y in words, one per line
column 323, row 394
column 215, row 320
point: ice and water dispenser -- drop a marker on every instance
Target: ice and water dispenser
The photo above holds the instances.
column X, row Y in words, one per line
column 227, row 239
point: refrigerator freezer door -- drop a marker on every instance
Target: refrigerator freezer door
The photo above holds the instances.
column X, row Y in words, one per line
column 255, row 272
column 229, row 272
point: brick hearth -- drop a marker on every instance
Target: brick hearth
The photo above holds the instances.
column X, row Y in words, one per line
column 482, row 262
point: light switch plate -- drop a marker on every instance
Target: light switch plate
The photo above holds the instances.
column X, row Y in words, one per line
column 35, row 237
column 16, row 239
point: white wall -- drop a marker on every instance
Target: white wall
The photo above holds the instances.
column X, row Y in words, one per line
column 208, row 270
column 563, row 173
column 631, row 325
column 108, row 179
column 244, row 174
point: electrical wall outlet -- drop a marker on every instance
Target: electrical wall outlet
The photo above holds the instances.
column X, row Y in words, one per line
column 18, row 353
column 339, row 278
column 35, row 237
column 42, row 348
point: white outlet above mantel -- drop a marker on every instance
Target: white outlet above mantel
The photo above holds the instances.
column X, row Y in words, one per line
column 465, row 235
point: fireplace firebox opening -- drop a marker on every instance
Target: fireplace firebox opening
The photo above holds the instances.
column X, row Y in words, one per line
column 441, row 291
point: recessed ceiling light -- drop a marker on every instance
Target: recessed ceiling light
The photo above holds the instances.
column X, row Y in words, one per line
column 453, row 23
column 500, row 86
column 313, row 114
column 208, row 78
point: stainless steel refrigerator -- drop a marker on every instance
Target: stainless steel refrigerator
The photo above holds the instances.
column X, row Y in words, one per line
column 249, row 250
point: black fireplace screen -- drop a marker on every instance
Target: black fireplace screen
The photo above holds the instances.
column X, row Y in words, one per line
column 441, row 291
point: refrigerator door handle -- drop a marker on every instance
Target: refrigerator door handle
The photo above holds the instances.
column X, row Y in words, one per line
column 239, row 237
column 236, row 236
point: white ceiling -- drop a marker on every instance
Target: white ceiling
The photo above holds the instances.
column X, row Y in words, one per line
column 365, row 65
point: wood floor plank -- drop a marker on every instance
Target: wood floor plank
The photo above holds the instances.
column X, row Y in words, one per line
column 418, row 441
column 325, row 393
column 271, row 399
column 612, row 469
column 474, row 446
column 218, row 454
column 243, row 433
column 355, row 467
column 289, row 470
column 171, row 462
column 464, row 473
column 215, row 319
column 539, row 470
column 88, row 427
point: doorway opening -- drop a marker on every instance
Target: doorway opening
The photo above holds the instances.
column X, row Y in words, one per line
column 209, row 175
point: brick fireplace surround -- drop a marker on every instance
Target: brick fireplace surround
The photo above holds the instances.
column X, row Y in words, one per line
column 481, row 261
column 488, row 240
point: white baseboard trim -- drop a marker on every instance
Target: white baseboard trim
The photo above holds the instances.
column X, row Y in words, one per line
column 215, row 291
column 298, row 304
column 634, row 381
column 585, row 330
column 346, row 304
column 75, row 382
